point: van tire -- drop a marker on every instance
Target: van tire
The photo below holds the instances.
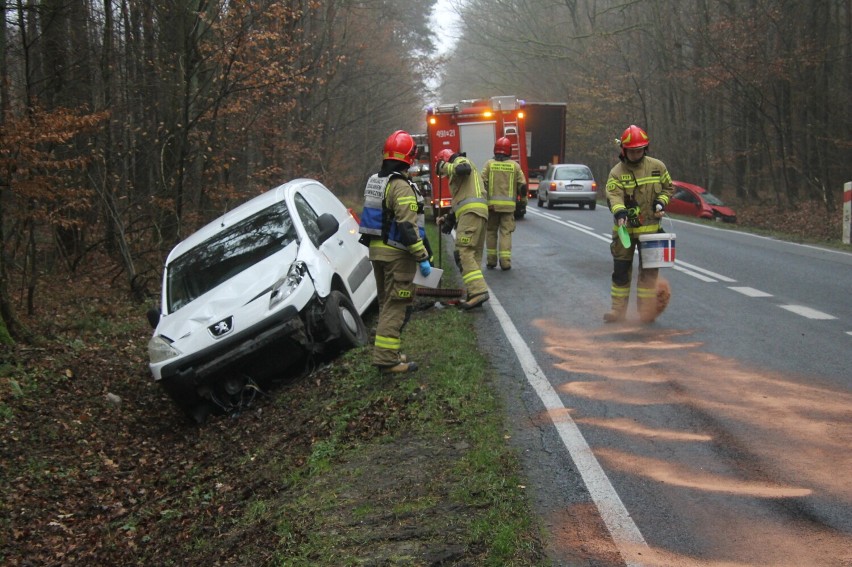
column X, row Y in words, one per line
column 344, row 323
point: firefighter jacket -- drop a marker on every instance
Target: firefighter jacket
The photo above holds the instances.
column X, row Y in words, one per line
column 504, row 181
column 634, row 188
column 393, row 218
column 465, row 187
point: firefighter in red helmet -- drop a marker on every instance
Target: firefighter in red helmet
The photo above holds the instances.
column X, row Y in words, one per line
column 638, row 190
column 392, row 225
column 506, row 186
column 469, row 215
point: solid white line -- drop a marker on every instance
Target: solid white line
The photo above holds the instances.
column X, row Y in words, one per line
column 571, row 224
column 750, row 291
column 580, row 226
column 696, row 275
column 808, row 312
column 623, row 530
column 679, row 264
column 761, row 237
column 719, row 277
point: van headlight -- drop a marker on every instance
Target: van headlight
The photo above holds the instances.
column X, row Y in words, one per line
column 159, row 349
column 284, row 287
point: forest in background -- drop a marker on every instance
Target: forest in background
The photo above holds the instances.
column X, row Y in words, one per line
column 126, row 124
column 748, row 98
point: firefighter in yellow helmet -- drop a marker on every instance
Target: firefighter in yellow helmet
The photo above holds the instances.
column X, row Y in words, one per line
column 506, row 186
column 392, row 226
column 638, row 190
column 469, row 215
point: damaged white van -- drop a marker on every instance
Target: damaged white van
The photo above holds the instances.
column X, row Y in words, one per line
column 257, row 291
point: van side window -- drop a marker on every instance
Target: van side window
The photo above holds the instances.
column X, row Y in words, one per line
column 308, row 217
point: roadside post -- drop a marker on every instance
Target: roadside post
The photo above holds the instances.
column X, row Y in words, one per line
column 847, row 212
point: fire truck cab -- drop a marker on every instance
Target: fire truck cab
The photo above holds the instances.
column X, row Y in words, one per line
column 471, row 127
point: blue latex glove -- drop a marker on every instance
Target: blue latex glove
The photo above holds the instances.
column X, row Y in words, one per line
column 425, row 268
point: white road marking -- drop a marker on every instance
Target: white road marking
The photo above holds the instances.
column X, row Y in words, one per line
column 704, row 274
column 580, row 226
column 574, row 225
column 696, row 275
column 750, row 291
column 719, row 277
column 626, row 535
column 808, row 312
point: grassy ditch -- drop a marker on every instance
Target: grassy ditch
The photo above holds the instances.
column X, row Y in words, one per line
column 409, row 472
column 339, row 466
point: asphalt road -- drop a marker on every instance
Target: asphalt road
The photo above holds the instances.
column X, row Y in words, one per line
column 718, row 435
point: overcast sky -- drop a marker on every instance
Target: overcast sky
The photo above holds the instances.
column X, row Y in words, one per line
column 443, row 22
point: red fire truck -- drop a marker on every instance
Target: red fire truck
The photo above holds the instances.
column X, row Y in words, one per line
column 472, row 127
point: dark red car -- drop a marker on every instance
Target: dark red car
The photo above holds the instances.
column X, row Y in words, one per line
column 694, row 201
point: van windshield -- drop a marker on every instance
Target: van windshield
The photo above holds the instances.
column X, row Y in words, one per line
column 228, row 253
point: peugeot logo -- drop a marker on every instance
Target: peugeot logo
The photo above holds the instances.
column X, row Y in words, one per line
column 221, row 328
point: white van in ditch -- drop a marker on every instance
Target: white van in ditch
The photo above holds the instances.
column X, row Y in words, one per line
column 257, row 291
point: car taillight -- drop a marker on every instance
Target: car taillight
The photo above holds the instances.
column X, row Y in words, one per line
column 354, row 215
column 552, row 186
column 594, row 185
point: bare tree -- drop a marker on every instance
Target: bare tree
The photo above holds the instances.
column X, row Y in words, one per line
column 746, row 96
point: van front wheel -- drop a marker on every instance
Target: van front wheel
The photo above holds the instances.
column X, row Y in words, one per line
column 344, row 322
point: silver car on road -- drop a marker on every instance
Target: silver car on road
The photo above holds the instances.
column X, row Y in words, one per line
column 568, row 183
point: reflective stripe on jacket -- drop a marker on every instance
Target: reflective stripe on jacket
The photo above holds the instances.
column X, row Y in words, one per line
column 630, row 186
column 467, row 191
column 389, row 201
column 503, row 179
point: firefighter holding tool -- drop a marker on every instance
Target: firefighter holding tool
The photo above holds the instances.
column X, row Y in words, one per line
column 392, row 226
column 469, row 216
column 638, row 189
column 506, row 186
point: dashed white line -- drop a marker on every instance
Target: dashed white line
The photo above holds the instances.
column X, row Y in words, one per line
column 626, row 535
column 703, row 274
column 714, row 275
column 750, row 291
column 808, row 312
column 696, row 275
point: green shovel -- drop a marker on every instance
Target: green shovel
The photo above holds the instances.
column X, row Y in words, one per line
column 625, row 238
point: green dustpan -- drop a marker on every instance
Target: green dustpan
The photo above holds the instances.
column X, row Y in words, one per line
column 625, row 238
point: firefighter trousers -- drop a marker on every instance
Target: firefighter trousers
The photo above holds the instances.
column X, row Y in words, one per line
column 470, row 240
column 622, row 276
column 395, row 290
column 498, row 239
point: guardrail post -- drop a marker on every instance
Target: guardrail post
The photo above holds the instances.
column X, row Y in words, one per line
column 847, row 212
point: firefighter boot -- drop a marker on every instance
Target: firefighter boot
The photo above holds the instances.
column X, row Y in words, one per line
column 490, row 258
column 646, row 303
column 505, row 260
column 400, row 368
column 474, row 301
column 618, row 311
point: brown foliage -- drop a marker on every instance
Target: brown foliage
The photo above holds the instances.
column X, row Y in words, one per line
column 37, row 152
